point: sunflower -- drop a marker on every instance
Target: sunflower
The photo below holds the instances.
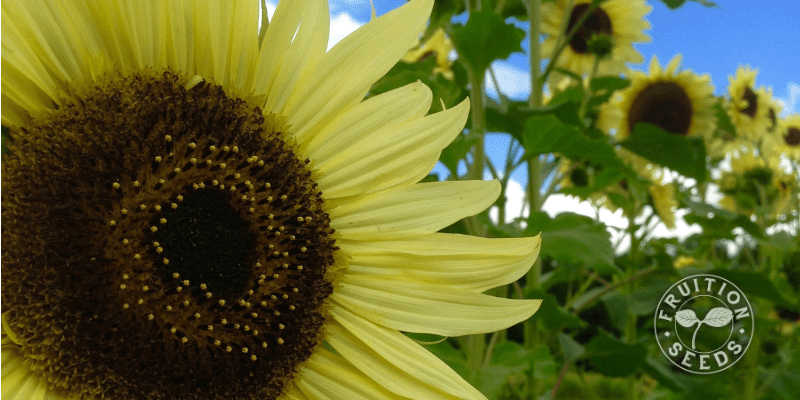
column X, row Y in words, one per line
column 622, row 20
column 786, row 139
column 755, row 184
column 193, row 211
column 749, row 107
column 664, row 203
column 438, row 45
column 681, row 103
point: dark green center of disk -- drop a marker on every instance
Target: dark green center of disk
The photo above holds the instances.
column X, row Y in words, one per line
column 597, row 22
column 207, row 241
column 752, row 103
column 162, row 241
column 792, row 137
column 664, row 104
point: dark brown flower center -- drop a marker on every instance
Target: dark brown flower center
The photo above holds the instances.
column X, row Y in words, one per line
column 664, row 104
column 792, row 137
column 752, row 103
column 597, row 22
column 162, row 242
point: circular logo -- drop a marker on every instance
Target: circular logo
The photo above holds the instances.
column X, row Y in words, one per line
column 704, row 324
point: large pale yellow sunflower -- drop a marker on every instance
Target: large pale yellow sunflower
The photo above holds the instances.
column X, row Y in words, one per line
column 679, row 102
column 749, row 107
column 622, row 20
column 190, row 212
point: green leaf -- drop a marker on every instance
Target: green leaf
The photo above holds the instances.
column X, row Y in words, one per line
column 618, row 306
column 663, row 375
column 574, row 238
column 485, row 38
column 717, row 222
column 611, row 357
column 686, row 156
column 572, row 349
column 404, row 73
column 507, row 358
column 548, row 134
column 455, row 151
column 509, row 118
column 755, row 284
column 603, row 88
column 445, row 351
column 553, row 315
column 673, row 4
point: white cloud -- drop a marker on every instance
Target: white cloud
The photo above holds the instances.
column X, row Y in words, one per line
column 790, row 99
column 514, row 83
column 342, row 24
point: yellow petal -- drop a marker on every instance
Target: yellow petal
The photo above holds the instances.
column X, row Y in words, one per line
column 295, row 41
column 346, row 72
column 411, row 210
column 455, row 261
column 411, row 306
column 327, row 376
column 393, row 360
column 384, row 157
column 383, row 111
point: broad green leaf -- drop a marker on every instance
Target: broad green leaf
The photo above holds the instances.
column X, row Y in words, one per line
column 548, row 134
column 617, row 305
column 572, row 349
column 603, row 88
column 509, row 118
column 455, row 151
column 686, row 156
column 553, row 315
column 485, row 38
column 755, row 284
column 611, row 357
column 507, row 358
column 663, row 375
column 404, row 73
column 673, row 4
column 717, row 222
column 574, row 238
column 442, row 12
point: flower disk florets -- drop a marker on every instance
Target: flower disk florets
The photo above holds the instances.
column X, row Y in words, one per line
column 161, row 241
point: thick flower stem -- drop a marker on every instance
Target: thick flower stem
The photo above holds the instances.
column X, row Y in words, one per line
column 630, row 329
column 478, row 128
column 534, row 276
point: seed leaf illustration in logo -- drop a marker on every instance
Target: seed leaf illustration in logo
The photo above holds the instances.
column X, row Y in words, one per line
column 716, row 317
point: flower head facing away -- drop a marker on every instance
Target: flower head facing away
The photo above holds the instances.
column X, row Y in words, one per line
column 189, row 213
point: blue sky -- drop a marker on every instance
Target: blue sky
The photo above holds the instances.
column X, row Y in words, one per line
column 763, row 34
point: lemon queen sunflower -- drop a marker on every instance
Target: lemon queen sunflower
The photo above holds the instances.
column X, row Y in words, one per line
column 190, row 212
column 750, row 107
column 622, row 20
column 680, row 103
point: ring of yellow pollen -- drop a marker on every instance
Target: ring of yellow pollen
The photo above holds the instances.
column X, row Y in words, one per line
column 160, row 240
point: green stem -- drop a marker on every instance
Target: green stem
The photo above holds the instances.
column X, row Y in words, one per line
column 631, row 335
column 587, row 93
column 477, row 113
column 534, row 276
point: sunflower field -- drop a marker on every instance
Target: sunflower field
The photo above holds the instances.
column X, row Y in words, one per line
column 196, row 209
column 646, row 144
